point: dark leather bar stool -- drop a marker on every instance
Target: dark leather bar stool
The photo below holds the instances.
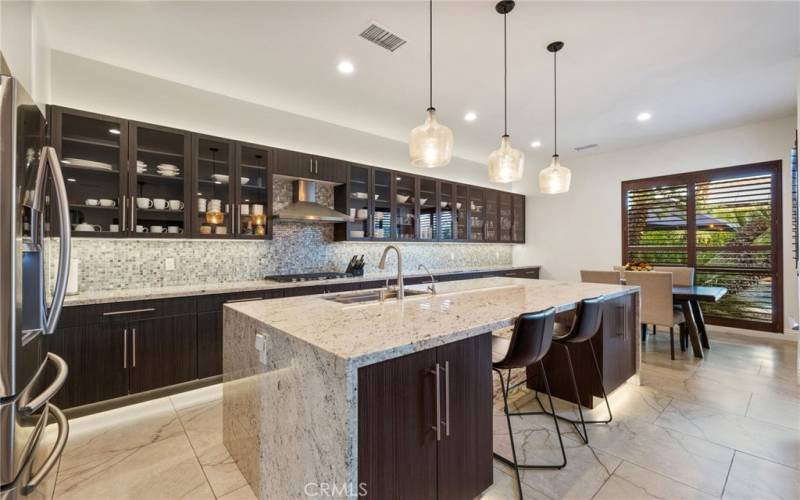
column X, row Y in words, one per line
column 529, row 343
column 586, row 323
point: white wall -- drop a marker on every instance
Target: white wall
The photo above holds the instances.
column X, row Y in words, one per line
column 582, row 229
column 16, row 39
column 91, row 85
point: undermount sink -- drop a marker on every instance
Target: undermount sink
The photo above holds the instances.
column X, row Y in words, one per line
column 370, row 296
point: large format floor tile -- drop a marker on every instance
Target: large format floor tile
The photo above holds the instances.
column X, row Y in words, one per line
column 727, row 425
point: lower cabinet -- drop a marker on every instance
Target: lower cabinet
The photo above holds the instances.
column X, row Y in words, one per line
column 401, row 454
column 163, row 351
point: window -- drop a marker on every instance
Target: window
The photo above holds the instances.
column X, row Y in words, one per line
column 726, row 223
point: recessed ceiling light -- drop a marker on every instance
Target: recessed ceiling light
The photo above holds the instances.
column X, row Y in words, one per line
column 114, row 131
column 644, row 116
column 536, row 144
column 345, row 67
column 470, row 116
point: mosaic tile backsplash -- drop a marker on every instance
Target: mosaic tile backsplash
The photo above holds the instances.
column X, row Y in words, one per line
column 108, row 264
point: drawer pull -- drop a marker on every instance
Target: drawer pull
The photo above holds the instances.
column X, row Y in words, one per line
column 130, row 311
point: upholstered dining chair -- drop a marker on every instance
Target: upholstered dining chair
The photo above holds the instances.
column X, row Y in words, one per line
column 656, row 297
column 681, row 276
column 609, row 277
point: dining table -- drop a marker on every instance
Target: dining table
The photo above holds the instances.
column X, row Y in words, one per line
column 689, row 298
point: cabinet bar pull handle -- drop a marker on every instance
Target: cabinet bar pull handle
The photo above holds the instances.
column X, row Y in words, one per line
column 447, row 397
column 129, row 311
column 311, row 165
column 437, row 427
column 133, row 213
column 124, row 213
column 316, row 166
column 125, row 348
column 134, row 347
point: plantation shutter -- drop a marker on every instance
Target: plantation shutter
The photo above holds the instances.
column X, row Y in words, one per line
column 726, row 224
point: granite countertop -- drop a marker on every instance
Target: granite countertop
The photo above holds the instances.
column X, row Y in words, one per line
column 166, row 292
column 362, row 334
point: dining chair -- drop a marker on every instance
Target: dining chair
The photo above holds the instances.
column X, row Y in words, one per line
column 656, row 298
column 681, row 276
column 609, row 277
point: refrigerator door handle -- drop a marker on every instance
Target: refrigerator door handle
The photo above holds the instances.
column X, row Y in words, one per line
column 50, row 159
column 29, row 406
column 55, row 453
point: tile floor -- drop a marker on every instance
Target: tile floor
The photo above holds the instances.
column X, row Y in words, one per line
column 724, row 427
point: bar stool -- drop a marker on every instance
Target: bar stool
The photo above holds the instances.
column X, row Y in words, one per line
column 529, row 343
column 588, row 318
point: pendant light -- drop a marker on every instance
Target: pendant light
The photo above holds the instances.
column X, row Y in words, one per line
column 506, row 163
column 555, row 179
column 431, row 144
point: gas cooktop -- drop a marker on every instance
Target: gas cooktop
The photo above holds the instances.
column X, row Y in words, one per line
column 290, row 278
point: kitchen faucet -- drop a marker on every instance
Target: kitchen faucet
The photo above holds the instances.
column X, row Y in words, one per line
column 382, row 265
column 432, row 286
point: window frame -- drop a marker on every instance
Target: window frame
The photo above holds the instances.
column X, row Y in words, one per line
column 690, row 179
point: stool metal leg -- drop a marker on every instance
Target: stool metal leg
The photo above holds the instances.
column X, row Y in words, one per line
column 506, row 385
column 584, row 435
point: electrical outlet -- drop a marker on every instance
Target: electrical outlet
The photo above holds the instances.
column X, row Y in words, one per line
column 169, row 264
column 452, row 256
column 261, row 342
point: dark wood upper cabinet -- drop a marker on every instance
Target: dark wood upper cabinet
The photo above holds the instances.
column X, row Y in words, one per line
column 406, row 212
column 93, row 149
column 462, row 211
column 477, row 213
column 308, row 166
column 253, row 192
column 213, row 183
column 382, row 205
column 505, row 217
column 428, row 208
column 492, row 213
column 447, row 220
column 354, row 198
column 159, row 164
column 518, row 221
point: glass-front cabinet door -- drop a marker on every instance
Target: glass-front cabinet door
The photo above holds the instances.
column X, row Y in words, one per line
column 382, row 204
column 490, row 226
column 462, row 203
column 253, row 192
column 158, row 188
column 428, row 212
column 214, row 194
column 94, row 152
column 505, row 217
column 405, row 217
column 356, row 194
column 518, row 223
column 446, row 211
column 477, row 214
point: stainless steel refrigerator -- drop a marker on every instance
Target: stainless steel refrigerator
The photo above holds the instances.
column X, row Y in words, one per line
column 33, row 432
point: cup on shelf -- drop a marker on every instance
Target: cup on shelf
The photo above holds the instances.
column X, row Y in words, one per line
column 174, row 229
column 91, row 202
column 157, row 229
column 353, row 213
column 141, row 229
column 113, row 228
column 144, row 203
column 258, row 209
column 221, row 230
column 205, row 229
column 244, row 209
column 175, row 205
column 160, row 203
column 362, row 213
column 106, row 202
column 202, row 204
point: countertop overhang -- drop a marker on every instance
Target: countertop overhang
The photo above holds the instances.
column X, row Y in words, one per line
column 367, row 333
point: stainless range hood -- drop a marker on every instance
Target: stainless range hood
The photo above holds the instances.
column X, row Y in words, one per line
column 304, row 207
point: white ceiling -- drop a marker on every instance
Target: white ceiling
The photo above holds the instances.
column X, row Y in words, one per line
column 694, row 66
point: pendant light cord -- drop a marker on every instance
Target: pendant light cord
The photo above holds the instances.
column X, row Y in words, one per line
column 505, row 74
column 430, row 53
column 555, row 106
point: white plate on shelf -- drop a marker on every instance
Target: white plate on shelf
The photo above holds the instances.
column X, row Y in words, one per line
column 168, row 173
column 167, row 166
column 80, row 162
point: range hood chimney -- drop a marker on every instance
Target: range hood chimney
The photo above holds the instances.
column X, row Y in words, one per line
column 304, row 206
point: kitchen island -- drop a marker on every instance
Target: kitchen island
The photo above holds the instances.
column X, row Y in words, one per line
column 320, row 395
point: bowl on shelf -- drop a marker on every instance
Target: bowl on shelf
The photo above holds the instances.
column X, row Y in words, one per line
column 360, row 196
column 220, row 178
column 443, row 204
column 356, row 234
column 422, row 201
column 402, row 198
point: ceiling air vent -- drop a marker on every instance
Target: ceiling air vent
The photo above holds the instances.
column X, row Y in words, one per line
column 382, row 37
column 584, row 148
